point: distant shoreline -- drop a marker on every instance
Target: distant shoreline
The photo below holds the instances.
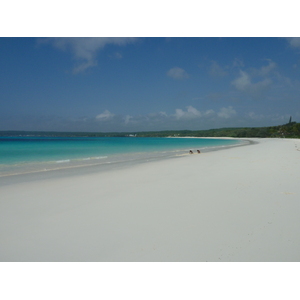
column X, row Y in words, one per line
column 289, row 130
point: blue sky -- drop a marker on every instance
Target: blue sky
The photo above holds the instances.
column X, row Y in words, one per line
column 140, row 84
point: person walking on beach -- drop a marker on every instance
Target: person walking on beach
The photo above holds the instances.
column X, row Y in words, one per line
column 191, row 152
column 198, row 151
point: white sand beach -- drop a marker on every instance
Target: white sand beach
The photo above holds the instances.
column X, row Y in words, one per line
column 238, row 204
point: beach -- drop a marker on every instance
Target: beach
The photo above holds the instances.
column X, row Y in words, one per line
column 239, row 204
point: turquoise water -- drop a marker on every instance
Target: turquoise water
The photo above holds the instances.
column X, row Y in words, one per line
column 22, row 154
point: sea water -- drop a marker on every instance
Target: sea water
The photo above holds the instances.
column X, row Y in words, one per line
column 20, row 155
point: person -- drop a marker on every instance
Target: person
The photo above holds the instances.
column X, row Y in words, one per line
column 191, row 152
column 198, row 151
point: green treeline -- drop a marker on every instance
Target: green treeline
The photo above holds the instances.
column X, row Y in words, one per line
column 289, row 130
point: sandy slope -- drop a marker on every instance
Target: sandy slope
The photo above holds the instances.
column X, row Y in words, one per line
column 238, row 204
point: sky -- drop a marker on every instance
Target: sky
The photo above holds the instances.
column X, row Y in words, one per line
column 107, row 84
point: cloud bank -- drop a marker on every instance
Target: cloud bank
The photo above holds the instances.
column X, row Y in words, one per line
column 188, row 118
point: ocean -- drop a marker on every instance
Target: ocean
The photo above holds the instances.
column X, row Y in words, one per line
column 19, row 155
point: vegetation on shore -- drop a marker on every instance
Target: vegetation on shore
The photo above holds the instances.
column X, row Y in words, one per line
column 289, row 130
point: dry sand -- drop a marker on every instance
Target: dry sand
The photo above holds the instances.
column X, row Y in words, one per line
column 238, row 204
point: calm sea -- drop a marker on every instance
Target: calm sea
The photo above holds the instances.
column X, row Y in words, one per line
column 30, row 154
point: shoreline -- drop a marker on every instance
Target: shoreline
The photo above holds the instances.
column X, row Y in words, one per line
column 130, row 159
column 239, row 204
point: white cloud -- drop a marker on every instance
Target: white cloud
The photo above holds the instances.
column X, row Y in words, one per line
column 209, row 113
column 162, row 114
column 261, row 85
column 226, row 112
column 179, row 113
column 190, row 113
column 127, row 119
column 265, row 70
column 105, row 116
column 244, row 83
column 85, row 49
column 177, row 73
column 294, row 42
column 193, row 111
column 83, row 66
column 256, row 81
